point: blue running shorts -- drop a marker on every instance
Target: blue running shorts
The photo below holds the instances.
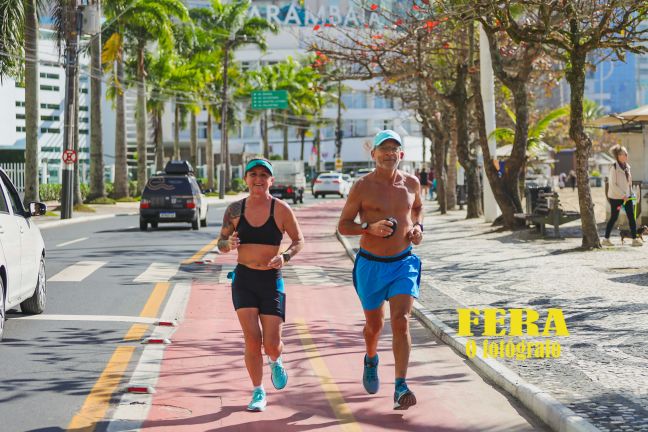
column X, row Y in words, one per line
column 379, row 278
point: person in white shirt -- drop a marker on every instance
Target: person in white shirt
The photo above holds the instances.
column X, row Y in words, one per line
column 619, row 194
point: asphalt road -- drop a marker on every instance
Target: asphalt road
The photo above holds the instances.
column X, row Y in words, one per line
column 51, row 362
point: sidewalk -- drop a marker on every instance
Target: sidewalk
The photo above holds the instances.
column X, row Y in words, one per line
column 203, row 384
column 601, row 374
column 103, row 211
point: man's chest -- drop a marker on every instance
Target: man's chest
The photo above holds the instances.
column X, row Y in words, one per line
column 392, row 200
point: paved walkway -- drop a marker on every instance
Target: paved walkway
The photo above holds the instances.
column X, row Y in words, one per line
column 603, row 371
column 203, row 384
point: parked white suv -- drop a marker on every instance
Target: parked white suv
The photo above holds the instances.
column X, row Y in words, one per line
column 22, row 254
column 332, row 183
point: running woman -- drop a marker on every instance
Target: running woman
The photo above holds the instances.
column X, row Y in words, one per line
column 388, row 202
column 254, row 227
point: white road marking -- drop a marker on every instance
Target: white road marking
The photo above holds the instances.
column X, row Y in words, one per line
column 77, row 272
column 133, row 409
column 72, row 242
column 97, row 318
column 158, row 272
column 312, row 275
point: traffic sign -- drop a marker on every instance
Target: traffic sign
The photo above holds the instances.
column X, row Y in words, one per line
column 274, row 99
column 338, row 164
column 69, row 156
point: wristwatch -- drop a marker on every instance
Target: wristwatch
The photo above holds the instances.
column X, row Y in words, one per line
column 286, row 256
column 419, row 224
column 364, row 226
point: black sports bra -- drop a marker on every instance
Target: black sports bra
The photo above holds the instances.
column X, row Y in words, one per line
column 268, row 233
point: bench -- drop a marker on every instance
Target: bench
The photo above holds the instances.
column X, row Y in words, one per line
column 548, row 212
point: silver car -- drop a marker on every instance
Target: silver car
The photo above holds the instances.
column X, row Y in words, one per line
column 22, row 254
column 332, row 183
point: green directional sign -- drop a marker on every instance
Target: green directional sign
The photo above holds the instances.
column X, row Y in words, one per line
column 274, row 99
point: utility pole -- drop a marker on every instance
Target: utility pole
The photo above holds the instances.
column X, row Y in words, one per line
column 72, row 30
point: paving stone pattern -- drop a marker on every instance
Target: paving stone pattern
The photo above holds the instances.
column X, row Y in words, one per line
column 602, row 373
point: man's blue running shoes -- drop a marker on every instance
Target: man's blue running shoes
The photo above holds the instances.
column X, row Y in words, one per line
column 403, row 397
column 370, row 378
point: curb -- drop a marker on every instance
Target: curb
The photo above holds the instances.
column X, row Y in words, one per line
column 62, row 222
column 552, row 412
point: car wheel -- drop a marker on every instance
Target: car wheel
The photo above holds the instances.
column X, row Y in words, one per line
column 295, row 199
column 143, row 225
column 195, row 224
column 154, row 224
column 2, row 309
column 301, row 199
column 36, row 303
column 203, row 222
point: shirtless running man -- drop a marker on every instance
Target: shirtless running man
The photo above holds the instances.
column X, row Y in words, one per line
column 385, row 267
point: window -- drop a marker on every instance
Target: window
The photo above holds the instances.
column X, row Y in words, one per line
column 84, row 120
column 21, row 129
column 49, row 75
column 84, row 90
column 14, row 199
column 50, row 118
column 83, row 108
column 20, row 103
column 49, row 88
column 354, row 99
column 48, row 106
column 4, row 208
column 20, row 116
column 355, row 128
column 51, row 130
column 383, row 102
column 83, row 131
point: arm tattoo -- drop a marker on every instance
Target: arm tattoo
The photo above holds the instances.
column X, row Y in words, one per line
column 232, row 212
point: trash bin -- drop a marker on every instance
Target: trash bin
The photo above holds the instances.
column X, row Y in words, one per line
column 531, row 195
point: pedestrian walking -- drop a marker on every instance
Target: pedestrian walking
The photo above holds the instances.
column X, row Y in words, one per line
column 572, row 179
column 389, row 204
column 620, row 194
column 254, row 227
column 424, row 179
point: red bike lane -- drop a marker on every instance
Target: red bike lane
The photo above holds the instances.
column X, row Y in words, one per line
column 203, row 384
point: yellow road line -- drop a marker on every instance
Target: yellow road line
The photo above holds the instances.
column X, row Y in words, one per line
column 96, row 404
column 331, row 390
column 150, row 310
column 202, row 252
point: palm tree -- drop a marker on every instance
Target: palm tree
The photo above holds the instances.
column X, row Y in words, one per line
column 229, row 27
column 141, row 22
column 97, row 186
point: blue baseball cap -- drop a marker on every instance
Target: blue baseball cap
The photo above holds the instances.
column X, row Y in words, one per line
column 385, row 135
column 259, row 162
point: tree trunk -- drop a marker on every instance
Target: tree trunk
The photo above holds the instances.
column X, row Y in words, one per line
column 284, row 128
column 576, row 79
column 225, row 156
column 176, row 132
column 159, row 140
column 193, row 144
column 121, row 189
column 302, row 138
column 140, row 118
column 97, row 186
column 209, row 151
column 451, row 169
column 439, row 138
column 264, row 132
column 31, row 102
column 78, row 197
column 467, row 159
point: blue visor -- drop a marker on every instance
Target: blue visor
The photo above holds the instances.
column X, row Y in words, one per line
column 259, row 162
column 385, row 135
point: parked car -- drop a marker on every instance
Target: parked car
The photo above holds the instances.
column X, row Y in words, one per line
column 22, row 254
column 363, row 171
column 331, row 183
column 173, row 196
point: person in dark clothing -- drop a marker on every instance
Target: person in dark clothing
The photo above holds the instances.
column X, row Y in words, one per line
column 424, row 179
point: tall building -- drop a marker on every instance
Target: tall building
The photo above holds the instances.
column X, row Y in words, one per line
column 614, row 84
column 51, row 100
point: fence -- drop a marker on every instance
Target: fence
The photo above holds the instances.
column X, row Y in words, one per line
column 16, row 172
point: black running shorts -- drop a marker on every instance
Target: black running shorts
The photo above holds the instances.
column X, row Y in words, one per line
column 261, row 289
